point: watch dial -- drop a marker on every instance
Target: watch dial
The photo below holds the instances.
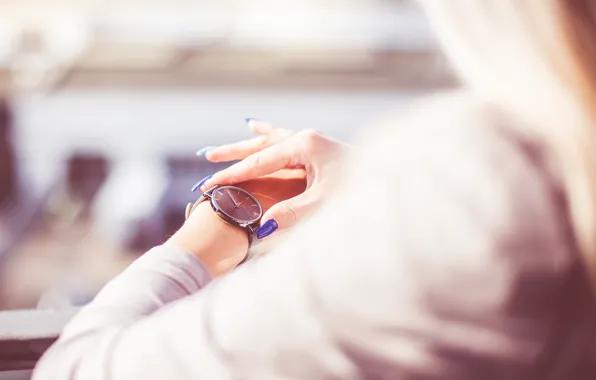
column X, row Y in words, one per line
column 237, row 203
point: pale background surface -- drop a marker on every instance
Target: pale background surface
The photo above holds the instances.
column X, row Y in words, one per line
column 111, row 99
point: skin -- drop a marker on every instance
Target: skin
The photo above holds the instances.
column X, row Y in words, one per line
column 275, row 149
column 221, row 246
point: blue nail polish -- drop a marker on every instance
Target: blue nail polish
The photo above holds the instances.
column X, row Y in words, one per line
column 201, row 183
column 249, row 119
column 205, row 150
column 267, row 229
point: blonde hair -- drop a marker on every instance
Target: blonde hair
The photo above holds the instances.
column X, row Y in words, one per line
column 537, row 60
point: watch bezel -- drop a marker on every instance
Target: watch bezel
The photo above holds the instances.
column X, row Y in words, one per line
column 230, row 219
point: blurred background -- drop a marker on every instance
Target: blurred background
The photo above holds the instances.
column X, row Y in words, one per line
column 103, row 104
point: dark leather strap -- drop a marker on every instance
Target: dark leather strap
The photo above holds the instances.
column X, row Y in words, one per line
column 248, row 256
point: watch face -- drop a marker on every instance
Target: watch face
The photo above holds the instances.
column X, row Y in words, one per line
column 237, row 204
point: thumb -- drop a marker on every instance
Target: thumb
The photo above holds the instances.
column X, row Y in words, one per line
column 285, row 214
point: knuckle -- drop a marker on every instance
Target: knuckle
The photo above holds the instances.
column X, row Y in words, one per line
column 309, row 133
column 254, row 161
column 310, row 138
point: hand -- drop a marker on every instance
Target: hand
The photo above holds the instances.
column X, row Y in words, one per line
column 221, row 246
column 277, row 149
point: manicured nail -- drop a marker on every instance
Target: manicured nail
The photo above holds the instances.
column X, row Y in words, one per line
column 250, row 120
column 205, row 150
column 201, row 183
column 267, row 229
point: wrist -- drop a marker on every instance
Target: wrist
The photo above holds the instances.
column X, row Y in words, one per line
column 219, row 245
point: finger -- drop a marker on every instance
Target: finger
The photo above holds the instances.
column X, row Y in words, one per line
column 260, row 127
column 285, row 214
column 263, row 128
column 262, row 163
column 240, row 150
column 237, row 151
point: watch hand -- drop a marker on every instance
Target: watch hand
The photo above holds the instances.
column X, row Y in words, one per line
column 233, row 200
column 243, row 201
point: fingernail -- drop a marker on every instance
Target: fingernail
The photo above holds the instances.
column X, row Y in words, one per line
column 201, row 183
column 205, row 150
column 249, row 120
column 267, row 229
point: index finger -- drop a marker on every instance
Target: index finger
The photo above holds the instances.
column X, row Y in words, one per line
column 238, row 150
column 259, row 164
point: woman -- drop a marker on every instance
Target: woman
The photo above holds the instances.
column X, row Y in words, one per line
column 458, row 244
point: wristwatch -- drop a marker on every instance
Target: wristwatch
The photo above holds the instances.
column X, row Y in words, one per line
column 236, row 206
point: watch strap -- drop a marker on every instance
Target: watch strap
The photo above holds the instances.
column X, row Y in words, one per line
column 248, row 255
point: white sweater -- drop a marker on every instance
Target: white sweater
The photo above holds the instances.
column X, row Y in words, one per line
column 446, row 254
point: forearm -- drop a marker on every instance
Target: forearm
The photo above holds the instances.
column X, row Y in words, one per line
column 88, row 345
column 162, row 276
column 204, row 247
column 120, row 336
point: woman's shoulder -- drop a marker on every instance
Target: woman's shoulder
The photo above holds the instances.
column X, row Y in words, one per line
column 455, row 131
column 470, row 167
